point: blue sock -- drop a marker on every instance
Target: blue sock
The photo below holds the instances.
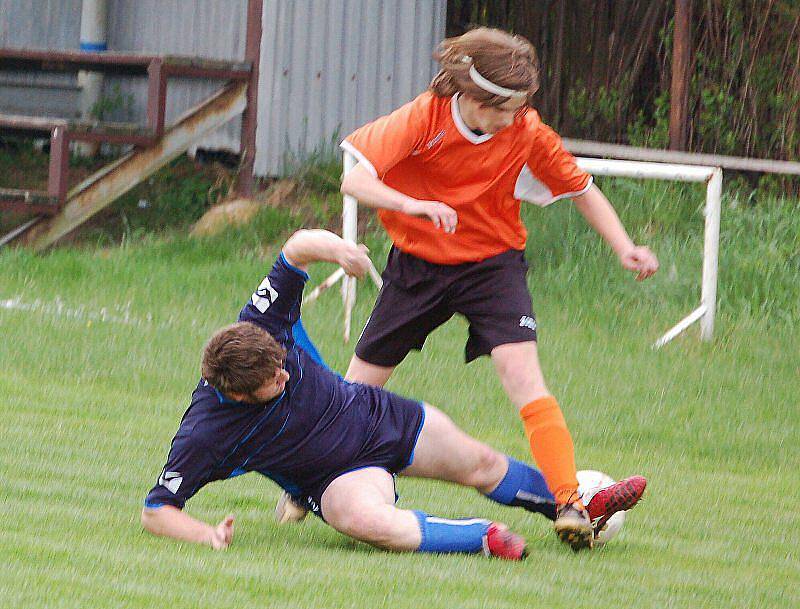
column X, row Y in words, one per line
column 442, row 535
column 524, row 486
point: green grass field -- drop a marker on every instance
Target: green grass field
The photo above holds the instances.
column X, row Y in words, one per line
column 102, row 350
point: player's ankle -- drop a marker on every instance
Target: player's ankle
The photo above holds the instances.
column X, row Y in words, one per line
column 569, row 495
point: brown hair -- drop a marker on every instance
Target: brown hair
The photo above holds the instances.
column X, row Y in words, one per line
column 240, row 358
column 505, row 59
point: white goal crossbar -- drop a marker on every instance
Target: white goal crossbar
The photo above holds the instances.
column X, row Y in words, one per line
column 712, row 176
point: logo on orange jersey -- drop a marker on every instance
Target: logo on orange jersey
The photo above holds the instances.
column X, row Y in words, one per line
column 436, row 139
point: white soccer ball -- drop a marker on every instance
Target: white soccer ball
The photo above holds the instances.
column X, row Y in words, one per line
column 590, row 482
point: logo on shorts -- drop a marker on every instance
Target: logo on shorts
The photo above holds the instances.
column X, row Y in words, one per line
column 171, row 480
column 312, row 505
column 264, row 296
column 527, row 322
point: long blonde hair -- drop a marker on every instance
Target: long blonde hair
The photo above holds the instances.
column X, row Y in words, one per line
column 505, row 59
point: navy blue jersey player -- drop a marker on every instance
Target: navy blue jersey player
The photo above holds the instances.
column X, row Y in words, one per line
column 266, row 405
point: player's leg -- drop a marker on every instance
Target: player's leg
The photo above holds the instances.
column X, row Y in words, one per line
column 360, row 504
column 360, row 371
column 445, row 452
column 410, row 305
column 518, row 368
column 517, row 365
column 502, row 324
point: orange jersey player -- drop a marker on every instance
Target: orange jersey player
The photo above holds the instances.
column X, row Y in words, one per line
column 448, row 172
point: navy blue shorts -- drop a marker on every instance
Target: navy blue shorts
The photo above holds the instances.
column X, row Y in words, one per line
column 390, row 445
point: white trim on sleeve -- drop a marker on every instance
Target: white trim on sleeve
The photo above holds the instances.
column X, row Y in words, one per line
column 345, row 145
column 577, row 193
column 529, row 188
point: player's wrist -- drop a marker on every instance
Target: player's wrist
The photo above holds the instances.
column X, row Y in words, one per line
column 623, row 248
column 408, row 206
column 209, row 536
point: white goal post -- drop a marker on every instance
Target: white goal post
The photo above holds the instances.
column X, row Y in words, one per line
column 712, row 176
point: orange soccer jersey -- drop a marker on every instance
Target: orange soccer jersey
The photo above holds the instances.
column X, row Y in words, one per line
column 426, row 151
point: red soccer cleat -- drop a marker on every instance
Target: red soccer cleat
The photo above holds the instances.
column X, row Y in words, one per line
column 502, row 543
column 620, row 496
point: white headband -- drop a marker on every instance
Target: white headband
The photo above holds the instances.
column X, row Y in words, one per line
column 488, row 85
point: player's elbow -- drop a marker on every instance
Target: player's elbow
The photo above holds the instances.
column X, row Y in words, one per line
column 347, row 185
column 354, row 181
column 294, row 245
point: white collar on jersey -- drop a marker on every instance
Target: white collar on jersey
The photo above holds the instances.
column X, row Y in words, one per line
column 462, row 127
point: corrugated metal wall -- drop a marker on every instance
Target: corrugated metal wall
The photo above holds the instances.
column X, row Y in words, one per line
column 207, row 28
column 41, row 24
column 327, row 66
column 210, row 28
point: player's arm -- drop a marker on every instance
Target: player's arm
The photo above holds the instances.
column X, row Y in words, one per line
column 372, row 192
column 189, row 467
column 169, row 521
column 307, row 246
column 598, row 211
column 382, row 144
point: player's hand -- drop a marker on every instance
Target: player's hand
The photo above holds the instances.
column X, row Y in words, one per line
column 353, row 259
column 222, row 534
column 442, row 216
column 641, row 260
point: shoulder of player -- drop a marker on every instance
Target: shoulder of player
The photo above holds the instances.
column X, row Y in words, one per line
column 195, row 437
column 543, row 137
column 535, row 126
column 204, row 428
column 204, row 418
column 429, row 108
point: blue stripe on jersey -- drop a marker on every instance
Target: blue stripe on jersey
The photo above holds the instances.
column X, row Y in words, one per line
column 270, row 441
column 302, row 340
column 224, row 400
column 416, row 437
column 153, row 504
column 300, row 272
column 260, row 422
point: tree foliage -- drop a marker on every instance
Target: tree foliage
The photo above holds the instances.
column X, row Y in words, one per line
column 606, row 69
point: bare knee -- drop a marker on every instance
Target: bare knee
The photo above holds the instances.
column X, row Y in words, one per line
column 490, row 467
column 521, row 377
column 373, row 526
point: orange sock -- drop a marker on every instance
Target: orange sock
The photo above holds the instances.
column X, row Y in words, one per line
column 551, row 446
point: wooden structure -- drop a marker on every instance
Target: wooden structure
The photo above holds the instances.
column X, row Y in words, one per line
column 681, row 75
column 59, row 210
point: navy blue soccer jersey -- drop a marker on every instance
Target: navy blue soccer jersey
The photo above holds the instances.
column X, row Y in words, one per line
column 319, row 427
